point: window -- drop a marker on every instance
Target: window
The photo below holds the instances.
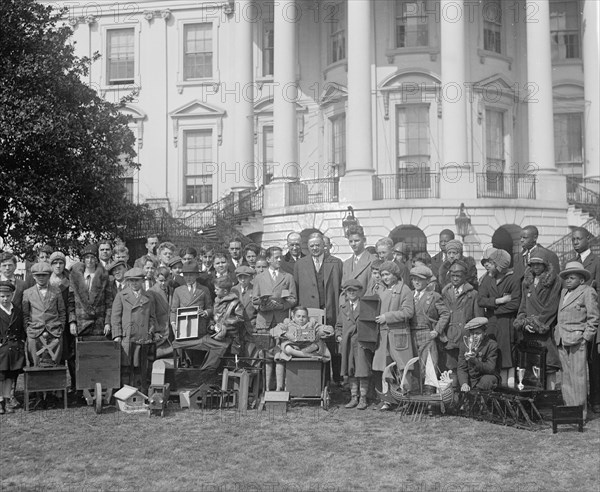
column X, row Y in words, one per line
column 412, row 28
column 492, row 26
column 120, row 56
column 198, row 51
column 338, row 144
column 568, row 142
column 198, row 164
column 268, row 43
column 268, row 167
column 128, row 183
column 564, row 30
column 337, row 33
column 412, row 121
column 494, row 149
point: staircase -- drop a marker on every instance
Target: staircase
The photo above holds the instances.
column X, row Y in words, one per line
column 583, row 194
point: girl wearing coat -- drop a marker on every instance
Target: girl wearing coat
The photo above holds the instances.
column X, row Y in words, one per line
column 12, row 344
column 397, row 308
column 536, row 319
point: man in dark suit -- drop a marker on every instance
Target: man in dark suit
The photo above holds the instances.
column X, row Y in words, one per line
column 235, row 255
column 591, row 262
column 438, row 260
column 294, row 252
column 529, row 245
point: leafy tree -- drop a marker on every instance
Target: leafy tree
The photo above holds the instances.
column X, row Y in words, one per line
column 63, row 149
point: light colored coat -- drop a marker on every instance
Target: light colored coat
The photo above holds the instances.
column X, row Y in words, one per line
column 361, row 271
column 577, row 317
column 48, row 313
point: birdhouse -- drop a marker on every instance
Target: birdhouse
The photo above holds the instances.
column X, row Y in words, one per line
column 130, row 400
column 276, row 402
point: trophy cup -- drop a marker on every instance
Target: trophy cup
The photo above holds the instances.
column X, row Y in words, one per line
column 520, row 375
column 469, row 342
column 536, row 372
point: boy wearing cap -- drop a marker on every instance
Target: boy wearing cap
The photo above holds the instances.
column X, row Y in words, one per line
column 192, row 294
column 454, row 252
column 243, row 290
column 12, row 345
column 477, row 363
column 499, row 296
column 160, row 292
column 461, row 300
column 228, row 318
column 133, row 317
column 8, row 265
column 44, row 317
column 357, row 357
column 89, row 315
column 536, row 319
column 430, row 319
column 577, row 324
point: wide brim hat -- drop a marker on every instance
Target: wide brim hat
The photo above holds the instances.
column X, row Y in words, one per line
column 134, row 273
column 421, row 272
column 479, row 322
column 41, row 268
column 575, row 267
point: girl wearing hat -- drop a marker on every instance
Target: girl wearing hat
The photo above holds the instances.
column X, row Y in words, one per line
column 12, row 344
column 536, row 318
column 577, row 324
column 500, row 295
column 396, row 310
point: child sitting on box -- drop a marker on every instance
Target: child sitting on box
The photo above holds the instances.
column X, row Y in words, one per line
column 228, row 316
column 299, row 337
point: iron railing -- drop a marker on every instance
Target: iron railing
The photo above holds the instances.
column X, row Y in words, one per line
column 506, row 185
column 584, row 194
column 324, row 190
column 564, row 246
column 406, row 184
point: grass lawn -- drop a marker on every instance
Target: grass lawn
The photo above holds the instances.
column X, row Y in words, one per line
column 306, row 450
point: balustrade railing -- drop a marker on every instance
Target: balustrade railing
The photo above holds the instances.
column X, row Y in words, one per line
column 324, row 190
column 407, row 184
column 506, row 185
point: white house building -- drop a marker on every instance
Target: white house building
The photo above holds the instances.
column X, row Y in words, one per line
column 403, row 109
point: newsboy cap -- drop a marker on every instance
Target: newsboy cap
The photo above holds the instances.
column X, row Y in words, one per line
column 41, row 268
column 174, row 261
column 244, row 270
column 111, row 266
column 134, row 273
column 421, row 271
column 352, row 284
column 479, row 322
column 7, row 287
column 190, row 268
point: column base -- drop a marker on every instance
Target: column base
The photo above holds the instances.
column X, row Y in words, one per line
column 356, row 188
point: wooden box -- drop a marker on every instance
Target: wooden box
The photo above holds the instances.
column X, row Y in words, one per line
column 368, row 330
column 98, row 362
column 303, row 377
column 188, row 324
column 45, row 379
column 276, row 401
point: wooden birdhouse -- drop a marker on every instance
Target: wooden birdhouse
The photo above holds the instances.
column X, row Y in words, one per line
column 276, row 402
column 130, row 400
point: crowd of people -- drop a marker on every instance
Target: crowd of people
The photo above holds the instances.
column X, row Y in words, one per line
column 255, row 303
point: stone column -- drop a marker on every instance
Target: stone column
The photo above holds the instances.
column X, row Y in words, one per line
column 356, row 184
column 455, row 178
column 244, row 108
column 591, row 120
column 285, row 126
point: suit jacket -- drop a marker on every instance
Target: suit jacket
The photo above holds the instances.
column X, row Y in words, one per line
column 577, row 317
column 520, row 261
column 47, row 313
column 163, row 310
column 247, row 305
column 91, row 309
column 201, row 298
column 430, row 313
column 305, row 277
column 592, row 265
column 264, row 285
column 361, row 271
column 288, row 262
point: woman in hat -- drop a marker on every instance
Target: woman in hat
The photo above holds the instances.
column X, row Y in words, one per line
column 12, row 344
column 396, row 310
column 536, row 318
column 500, row 295
column 577, row 324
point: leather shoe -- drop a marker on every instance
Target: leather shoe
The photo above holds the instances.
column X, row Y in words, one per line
column 362, row 405
column 352, row 403
column 596, row 408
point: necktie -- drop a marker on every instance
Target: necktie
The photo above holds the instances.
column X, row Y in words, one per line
column 274, row 275
column 317, row 264
column 578, row 258
column 119, row 286
column 456, row 291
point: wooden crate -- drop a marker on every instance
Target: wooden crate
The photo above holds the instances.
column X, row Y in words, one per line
column 303, row 377
column 45, row 379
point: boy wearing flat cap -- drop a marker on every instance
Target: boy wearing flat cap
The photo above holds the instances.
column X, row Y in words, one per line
column 477, row 362
column 44, row 316
column 357, row 357
column 243, row 289
column 577, row 324
column 430, row 319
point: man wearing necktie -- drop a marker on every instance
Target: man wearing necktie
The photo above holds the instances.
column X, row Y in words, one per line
column 591, row 262
column 529, row 245
column 438, row 260
column 358, row 266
